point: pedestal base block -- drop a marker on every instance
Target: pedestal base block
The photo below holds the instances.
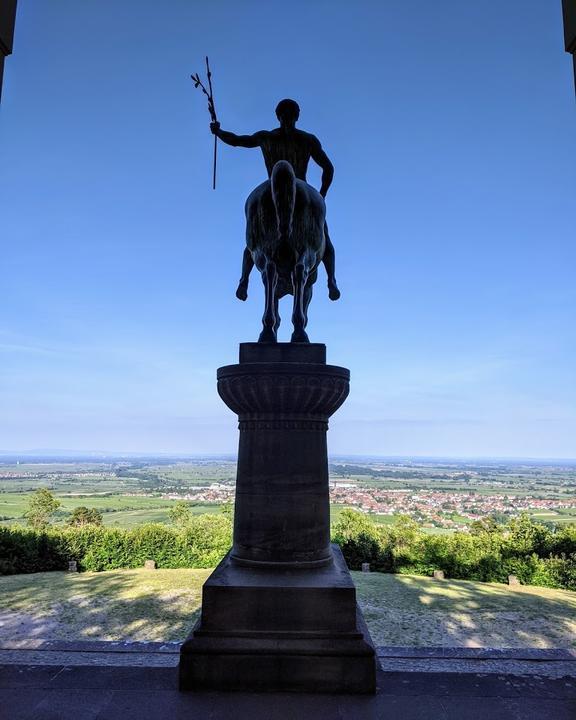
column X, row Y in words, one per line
column 279, row 613
column 269, row 630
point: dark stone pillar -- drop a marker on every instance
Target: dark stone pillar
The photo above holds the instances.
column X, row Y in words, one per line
column 280, row 612
column 282, row 513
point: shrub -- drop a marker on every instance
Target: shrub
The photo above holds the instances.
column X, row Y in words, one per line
column 205, row 540
column 465, row 556
column 110, row 550
column 525, row 537
column 201, row 544
column 556, row 572
column 26, row 550
column 361, row 541
column 180, row 513
column 563, row 541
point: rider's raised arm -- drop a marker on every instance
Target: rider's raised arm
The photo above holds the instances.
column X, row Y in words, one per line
column 321, row 159
column 247, row 141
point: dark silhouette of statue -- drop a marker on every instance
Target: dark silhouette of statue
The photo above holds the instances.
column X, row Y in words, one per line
column 286, row 232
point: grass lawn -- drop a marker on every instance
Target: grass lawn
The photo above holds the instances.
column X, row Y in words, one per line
column 399, row 609
column 121, row 604
column 412, row 610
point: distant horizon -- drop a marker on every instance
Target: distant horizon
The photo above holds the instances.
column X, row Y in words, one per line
column 104, row 454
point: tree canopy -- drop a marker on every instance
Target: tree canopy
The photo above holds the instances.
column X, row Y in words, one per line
column 41, row 507
column 85, row 516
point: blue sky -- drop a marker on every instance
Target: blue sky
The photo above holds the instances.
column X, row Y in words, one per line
column 452, row 128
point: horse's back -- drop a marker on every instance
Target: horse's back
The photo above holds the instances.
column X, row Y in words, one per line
column 307, row 224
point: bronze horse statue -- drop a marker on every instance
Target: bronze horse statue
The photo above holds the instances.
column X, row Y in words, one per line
column 286, row 232
column 285, row 219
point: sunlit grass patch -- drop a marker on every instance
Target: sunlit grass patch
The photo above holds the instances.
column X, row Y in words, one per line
column 399, row 609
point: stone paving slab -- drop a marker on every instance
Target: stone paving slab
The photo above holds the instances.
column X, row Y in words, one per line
column 173, row 647
column 551, row 663
column 81, row 704
column 555, row 669
column 64, row 693
column 535, row 654
column 98, row 680
column 108, row 646
column 131, row 659
column 484, row 667
column 31, row 651
column 74, row 677
column 475, row 685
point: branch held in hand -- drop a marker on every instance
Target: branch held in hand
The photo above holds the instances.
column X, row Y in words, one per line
column 211, row 109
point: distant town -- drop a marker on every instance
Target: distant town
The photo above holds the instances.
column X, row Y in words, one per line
column 441, row 495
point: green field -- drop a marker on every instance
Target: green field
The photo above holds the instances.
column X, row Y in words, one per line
column 562, row 517
column 400, row 610
column 132, row 518
column 15, row 504
column 117, row 510
column 115, row 477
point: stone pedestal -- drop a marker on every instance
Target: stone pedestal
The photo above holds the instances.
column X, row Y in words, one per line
column 279, row 612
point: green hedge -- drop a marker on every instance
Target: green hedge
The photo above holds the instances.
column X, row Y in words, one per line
column 537, row 554
column 201, row 544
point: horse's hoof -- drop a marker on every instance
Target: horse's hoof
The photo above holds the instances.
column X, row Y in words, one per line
column 267, row 335
column 299, row 336
column 333, row 292
column 242, row 292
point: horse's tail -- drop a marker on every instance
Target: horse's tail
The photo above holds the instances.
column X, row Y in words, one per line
column 283, row 183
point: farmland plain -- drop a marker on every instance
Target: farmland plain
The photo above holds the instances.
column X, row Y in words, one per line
column 442, row 495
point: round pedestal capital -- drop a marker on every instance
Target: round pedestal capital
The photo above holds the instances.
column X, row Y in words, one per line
column 283, row 392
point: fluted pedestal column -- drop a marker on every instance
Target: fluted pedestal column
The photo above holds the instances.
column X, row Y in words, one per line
column 279, row 612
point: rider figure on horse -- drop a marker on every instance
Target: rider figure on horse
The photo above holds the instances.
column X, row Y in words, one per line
column 296, row 147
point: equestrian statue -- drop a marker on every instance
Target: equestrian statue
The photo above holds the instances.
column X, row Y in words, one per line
column 286, row 232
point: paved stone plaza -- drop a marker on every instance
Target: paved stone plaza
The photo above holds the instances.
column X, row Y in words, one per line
column 105, row 681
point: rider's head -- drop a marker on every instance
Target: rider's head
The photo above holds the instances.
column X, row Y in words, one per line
column 287, row 112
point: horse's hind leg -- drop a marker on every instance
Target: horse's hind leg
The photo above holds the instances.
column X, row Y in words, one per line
column 307, row 297
column 299, row 280
column 247, row 265
column 277, row 314
column 270, row 280
column 329, row 261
